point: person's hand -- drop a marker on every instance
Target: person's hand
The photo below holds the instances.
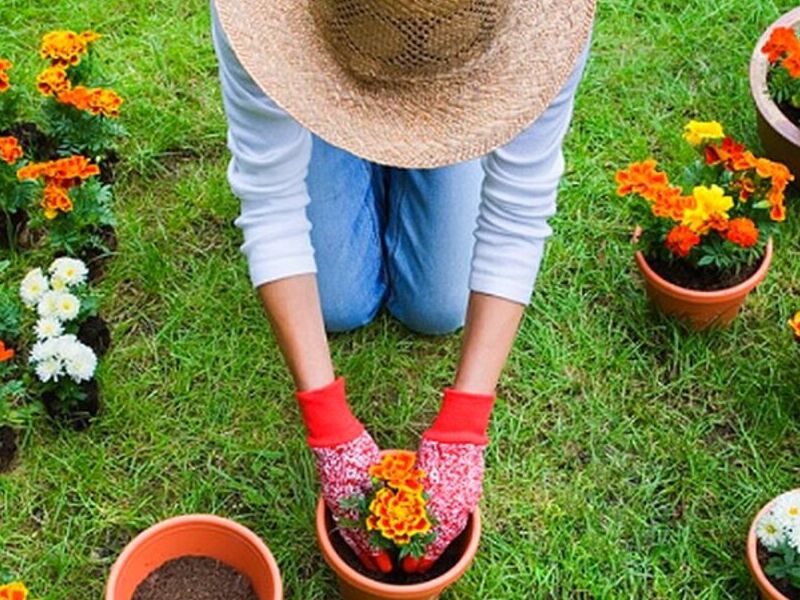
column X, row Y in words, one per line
column 451, row 455
column 343, row 452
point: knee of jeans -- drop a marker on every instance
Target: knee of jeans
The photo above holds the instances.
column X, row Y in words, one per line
column 432, row 319
column 340, row 317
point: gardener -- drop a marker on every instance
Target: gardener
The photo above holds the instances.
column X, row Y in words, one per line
column 406, row 154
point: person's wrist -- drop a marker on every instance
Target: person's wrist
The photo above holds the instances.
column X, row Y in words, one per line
column 463, row 418
column 327, row 416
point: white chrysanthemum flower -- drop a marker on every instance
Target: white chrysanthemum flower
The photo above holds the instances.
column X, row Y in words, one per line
column 58, row 284
column 49, row 369
column 48, row 305
column 48, row 328
column 793, row 536
column 68, row 306
column 80, row 362
column 770, row 530
column 71, row 271
column 33, row 286
column 787, row 509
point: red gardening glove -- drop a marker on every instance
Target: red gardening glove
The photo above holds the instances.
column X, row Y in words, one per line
column 451, row 455
column 343, row 452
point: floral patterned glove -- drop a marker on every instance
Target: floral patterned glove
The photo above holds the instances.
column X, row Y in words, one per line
column 343, row 452
column 451, row 455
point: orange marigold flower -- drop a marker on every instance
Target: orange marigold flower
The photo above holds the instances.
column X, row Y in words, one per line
column 398, row 515
column 56, row 199
column 67, row 171
column 65, row 48
column 10, row 150
column 781, row 41
column 746, row 188
column 792, row 63
column 670, row 203
column 742, row 232
column 794, row 323
column 6, row 354
column 97, row 101
column 13, row 591
column 398, row 470
column 641, row 178
column 52, row 81
column 729, row 152
column 681, row 239
column 5, row 81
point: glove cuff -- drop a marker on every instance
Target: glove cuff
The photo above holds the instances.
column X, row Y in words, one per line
column 463, row 418
column 327, row 416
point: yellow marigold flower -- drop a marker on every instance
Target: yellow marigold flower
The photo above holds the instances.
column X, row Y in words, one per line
column 697, row 132
column 398, row 515
column 64, row 48
column 794, row 323
column 52, row 81
column 13, row 591
column 710, row 204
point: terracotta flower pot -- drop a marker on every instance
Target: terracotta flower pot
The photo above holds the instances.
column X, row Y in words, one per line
column 765, row 588
column 779, row 136
column 701, row 309
column 355, row 586
column 195, row 535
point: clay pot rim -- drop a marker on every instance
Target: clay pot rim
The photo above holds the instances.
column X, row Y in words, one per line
column 193, row 520
column 759, row 67
column 701, row 296
column 364, row 583
column 762, row 582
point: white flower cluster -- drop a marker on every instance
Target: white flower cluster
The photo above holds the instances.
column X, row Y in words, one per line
column 781, row 524
column 52, row 298
column 55, row 357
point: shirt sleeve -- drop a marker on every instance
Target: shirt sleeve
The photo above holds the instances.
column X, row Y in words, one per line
column 270, row 155
column 518, row 197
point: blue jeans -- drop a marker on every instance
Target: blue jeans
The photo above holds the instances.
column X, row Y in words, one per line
column 402, row 237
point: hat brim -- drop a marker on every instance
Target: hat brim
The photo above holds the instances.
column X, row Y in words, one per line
column 430, row 124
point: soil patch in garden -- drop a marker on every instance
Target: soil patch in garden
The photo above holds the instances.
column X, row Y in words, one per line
column 449, row 558
column 8, row 447
column 77, row 417
column 705, row 279
column 195, row 578
column 94, row 333
column 780, row 584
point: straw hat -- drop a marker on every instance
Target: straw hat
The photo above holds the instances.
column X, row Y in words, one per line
column 410, row 83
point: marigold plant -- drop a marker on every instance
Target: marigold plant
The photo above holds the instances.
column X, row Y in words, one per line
column 394, row 512
column 783, row 53
column 8, row 97
column 724, row 210
column 794, row 325
column 14, row 194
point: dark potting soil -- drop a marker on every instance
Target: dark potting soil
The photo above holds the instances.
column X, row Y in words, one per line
column 705, row 279
column 77, row 417
column 33, row 140
column 399, row 577
column 792, row 113
column 8, row 447
column 195, row 578
column 781, row 585
column 94, row 332
column 108, row 168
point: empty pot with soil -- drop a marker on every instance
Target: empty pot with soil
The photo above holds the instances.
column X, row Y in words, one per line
column 357, row 584
column 203, row 557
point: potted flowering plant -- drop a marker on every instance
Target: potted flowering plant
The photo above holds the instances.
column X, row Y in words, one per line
column 705, row 244
column 63, row 362
column 773, row 548
column 775, row 87
column 15, row 196
column 76, row 208
column 83, row 117
column 394, row 515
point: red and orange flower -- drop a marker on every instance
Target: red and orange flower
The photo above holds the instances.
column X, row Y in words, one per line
column 681, row 239
column 10, row 150
column 5, row 80
column 65, row 48
column 59, row 177
column 52, row 81
column 6, row 354
column 398, row 515
column 97, row 101
column 794, row 324
column 398, row 470
column 742, row 232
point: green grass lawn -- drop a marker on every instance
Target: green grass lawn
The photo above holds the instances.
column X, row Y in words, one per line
column 628, row 455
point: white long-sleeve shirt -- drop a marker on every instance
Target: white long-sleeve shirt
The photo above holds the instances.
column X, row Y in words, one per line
column 270, row 157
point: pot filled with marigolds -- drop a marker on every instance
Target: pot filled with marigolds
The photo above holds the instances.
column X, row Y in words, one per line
column 775, row 87
column 393, row 515
column 706, row 242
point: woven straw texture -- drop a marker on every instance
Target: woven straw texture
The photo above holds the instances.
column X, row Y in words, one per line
column 410, row 83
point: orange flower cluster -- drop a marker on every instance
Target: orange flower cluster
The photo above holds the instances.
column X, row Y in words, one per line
column 681, row 239
column 10, row 150
column 645, row 180
column 98, row 101
column 784, row 45
column 59, row 176
column 780, row 176
column 5, row 81
column 742, row 232
column 6, row 354
column 65, row 48
column 399, row 509
column 52, row 81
